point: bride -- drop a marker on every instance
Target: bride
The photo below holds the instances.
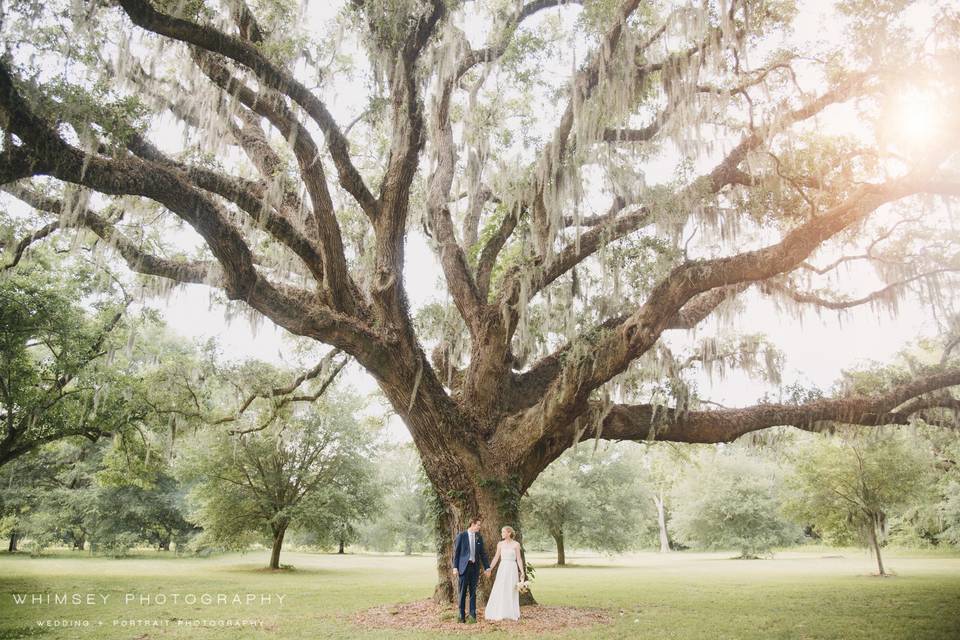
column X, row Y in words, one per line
column 504, row 600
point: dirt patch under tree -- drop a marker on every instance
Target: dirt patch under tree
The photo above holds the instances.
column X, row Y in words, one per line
column 427, row 615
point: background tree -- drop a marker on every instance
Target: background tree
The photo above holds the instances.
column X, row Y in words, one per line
column 658, row 468
column 557, row 504
column 729, row 500
column 564, row 264
column 63, row 511
column 86, row 496
column 587, row 498
column 354, row 497
column 848, row 486
column 263, row 482
column 137, row 494
column 407, row 519
column 23, row 482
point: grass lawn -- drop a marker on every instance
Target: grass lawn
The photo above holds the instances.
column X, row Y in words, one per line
column 800, row 594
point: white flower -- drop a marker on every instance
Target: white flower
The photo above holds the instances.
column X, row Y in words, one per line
column 523, row 586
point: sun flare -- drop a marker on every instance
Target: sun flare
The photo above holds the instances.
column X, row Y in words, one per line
column 914, row 119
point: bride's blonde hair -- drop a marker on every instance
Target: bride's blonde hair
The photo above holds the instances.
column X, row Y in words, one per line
column 510, row 529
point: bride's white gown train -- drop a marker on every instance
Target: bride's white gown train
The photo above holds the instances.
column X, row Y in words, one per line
column 504, row 601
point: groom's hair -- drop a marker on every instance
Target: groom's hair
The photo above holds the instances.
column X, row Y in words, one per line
column 475, row 519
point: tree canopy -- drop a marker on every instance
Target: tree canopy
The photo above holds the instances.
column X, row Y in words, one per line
column 847, row 486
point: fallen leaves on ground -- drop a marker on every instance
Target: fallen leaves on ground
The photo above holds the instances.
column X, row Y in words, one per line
column 427, row 615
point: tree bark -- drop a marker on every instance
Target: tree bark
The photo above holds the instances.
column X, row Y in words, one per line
column 561, row 552
column 14, row 538
column 662, row 522
column 445, row 529
column 342, row 546
column 497, row 502
column 875, row 544
column 278, row 532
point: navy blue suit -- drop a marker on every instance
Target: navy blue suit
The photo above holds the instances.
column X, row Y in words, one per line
column 468, row 571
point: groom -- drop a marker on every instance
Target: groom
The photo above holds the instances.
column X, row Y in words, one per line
column 467, row 549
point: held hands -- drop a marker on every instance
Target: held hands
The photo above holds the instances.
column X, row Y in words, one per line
column 488, row 572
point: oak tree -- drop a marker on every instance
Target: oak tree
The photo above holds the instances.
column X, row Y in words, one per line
column 295, row 157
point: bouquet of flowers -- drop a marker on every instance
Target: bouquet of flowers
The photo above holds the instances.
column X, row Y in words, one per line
column 523, row 586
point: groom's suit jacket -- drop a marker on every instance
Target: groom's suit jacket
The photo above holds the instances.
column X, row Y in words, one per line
column 461, row 552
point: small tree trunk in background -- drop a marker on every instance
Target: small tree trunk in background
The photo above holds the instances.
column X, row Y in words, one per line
column 165, row 544
column 13, row 542
column 662, row 522
column 342, row 546
column 872, row 535
column 408, row 547
column 278, row 533
column 79, row 543
column 561, row 552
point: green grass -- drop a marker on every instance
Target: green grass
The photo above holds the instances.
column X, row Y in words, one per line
column 800, row 594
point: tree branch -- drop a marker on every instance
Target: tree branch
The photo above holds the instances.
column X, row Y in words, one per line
column 528, row 387
column 138, row 260
column 294, row 309
column 27, row 240
column 493, row 52
column 566, row 397
column 286, row 394
column 772, row 287
column 246, row 54
column 335, row 279
column 491, row 249
column 644, row 422
column 246, row 194
column 18, row 162
column 460, row 280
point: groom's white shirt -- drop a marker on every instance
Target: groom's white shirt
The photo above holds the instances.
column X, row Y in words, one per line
column 472, row 546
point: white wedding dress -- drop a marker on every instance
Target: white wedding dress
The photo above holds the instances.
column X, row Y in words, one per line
column 504, row 601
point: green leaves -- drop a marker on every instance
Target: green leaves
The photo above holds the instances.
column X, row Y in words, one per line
column 589, row 498
column 731, row 502
column 311, row 471
column 845, row 485
column 56, row 380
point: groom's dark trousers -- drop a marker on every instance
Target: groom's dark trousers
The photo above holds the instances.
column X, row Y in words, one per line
column 468, row 581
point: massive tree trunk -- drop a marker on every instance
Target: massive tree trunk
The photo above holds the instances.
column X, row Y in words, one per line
column 662, row 522
column 279, row 530
column 491, row 494
column 561, row 552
